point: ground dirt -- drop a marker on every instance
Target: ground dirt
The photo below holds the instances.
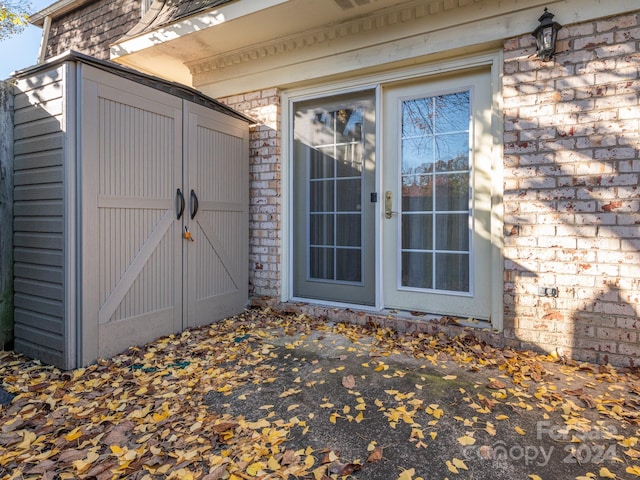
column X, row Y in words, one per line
column 274, row 395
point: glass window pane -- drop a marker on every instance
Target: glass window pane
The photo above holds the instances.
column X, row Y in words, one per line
column 417, row 155
column 417, row 231
column 417, row 269
column 321, row 163
column 452, row 272
column 349, row 195
column 349, row 160
column 452, row 232
column 452, row 192
column 417, row 193
column 452, row 113
column 417, row 117
column 349, row 231
column 321, row 196
column 321, row 229
column 321, row 130
column 349, row 265
column 349, row 125
column 321, row 263
column 452, row 151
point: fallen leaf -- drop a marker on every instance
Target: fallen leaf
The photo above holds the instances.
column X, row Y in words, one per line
column 605, row 473
column 349, row 382
column 375, row 455
column 466, row 440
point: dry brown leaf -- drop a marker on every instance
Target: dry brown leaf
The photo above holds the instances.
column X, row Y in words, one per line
column 496, row 384
column 223, row 427
column 342, row 469
column 349, row 381
column 375, row 455
column 71, row 455
column 218, row 473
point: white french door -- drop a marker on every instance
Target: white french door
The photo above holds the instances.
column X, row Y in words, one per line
column 436, row 234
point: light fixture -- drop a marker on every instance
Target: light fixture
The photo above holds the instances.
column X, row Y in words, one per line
column 546, row 34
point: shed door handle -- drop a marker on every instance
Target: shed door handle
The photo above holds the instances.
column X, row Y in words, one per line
column 179, row 203
column 194, row 204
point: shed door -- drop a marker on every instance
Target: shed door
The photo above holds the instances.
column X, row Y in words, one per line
column 131, row 167
column 216, row 185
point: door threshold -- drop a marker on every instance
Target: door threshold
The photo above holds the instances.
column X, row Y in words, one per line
column 403, row 321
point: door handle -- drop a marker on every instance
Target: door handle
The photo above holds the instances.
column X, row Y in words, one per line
column 193, row 204
column 388, row 204
column 179, row 203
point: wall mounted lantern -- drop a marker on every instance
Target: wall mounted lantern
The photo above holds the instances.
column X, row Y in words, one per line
column 546, row 34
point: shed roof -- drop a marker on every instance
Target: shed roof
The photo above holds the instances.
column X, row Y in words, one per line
column 173, row 88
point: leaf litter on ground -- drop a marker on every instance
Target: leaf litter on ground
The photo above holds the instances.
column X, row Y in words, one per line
column 144, row 415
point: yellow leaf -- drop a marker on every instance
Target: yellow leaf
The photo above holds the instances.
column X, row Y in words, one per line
column 407, row 474
column 433, row 435
column 605, row 473
column 502, row 417
column 254, row 468
column 309, row 461
column 634, row 470
column 459, row 464
column 452, row 468
column 27, row 439
column 519, row 430
column 449, row 377
column 73, row 435
column 534, row 477
column 273, row 464
column 319, row 473
column 466, row 440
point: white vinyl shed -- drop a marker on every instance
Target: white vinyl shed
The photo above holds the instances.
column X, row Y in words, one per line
column 113, row 172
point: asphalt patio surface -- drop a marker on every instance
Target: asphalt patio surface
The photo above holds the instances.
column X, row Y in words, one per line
column 273, row 395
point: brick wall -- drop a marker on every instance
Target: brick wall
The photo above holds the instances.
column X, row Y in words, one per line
column 572, row 201
column 264, row 187
column 92, row 28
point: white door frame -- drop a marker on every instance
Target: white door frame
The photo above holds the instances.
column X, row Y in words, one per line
column 495, row 61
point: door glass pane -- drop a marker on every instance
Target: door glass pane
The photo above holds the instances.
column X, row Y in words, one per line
column 417, row 269
column 417, row 231
column 321, row 197
column 348, row 193
column 321, row 263
column 348, row 265
column 435, row 236
column 348, row 230
column 321, row 229
column 452, row 192
column 334, row 141
column 446, row 263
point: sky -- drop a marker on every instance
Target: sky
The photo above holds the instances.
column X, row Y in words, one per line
column 20, row 51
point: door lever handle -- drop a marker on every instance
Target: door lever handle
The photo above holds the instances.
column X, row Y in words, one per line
column 388, row 205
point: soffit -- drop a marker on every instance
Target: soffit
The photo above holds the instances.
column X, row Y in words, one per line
column 249, row 44
column 241, row 27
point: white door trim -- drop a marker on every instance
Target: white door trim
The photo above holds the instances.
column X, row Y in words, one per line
column 321, row 89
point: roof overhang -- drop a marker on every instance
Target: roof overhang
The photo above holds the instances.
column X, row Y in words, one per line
column 56, row 9
column 245, row 45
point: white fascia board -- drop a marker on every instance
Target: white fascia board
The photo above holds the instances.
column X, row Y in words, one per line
column 55, row 10
column 189, row 25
